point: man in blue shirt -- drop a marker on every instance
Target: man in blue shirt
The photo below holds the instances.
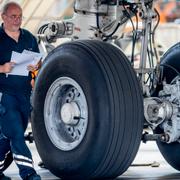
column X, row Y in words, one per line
column 15, row 93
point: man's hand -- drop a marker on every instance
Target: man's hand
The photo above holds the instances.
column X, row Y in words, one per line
column 32, row 68
column 7, row 67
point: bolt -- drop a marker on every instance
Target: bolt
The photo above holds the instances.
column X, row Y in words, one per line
column 164, row 138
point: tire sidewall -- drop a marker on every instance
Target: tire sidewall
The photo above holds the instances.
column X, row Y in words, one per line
column 66, row 65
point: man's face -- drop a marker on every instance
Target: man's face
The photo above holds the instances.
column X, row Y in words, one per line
column 12, row 18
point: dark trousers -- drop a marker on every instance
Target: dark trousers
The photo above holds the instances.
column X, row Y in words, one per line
column 13, row 124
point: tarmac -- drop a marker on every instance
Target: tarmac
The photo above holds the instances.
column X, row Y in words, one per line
column 148, row 165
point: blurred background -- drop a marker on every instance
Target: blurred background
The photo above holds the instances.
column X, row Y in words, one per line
column 39, row 12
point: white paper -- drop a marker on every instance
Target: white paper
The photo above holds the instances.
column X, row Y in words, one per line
column 34, row 55
column 22, row 60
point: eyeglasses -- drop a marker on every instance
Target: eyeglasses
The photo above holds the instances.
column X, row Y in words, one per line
column 15, row 17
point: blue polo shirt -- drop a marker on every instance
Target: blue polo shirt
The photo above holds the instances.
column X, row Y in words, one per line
column 14, row 84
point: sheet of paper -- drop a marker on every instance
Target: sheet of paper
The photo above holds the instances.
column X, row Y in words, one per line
column 34, row 55
column 22, row 60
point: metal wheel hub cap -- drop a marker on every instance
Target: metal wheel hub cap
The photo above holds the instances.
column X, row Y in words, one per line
column 65, row 113
column 70, row 113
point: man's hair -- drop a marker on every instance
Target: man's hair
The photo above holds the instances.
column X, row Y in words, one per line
column 9, row 4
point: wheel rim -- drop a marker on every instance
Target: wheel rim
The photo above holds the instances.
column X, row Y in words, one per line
column 65, row 113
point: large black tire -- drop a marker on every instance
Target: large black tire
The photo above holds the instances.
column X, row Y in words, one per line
column 171, row 59
column 107, row 84
column 170, row 151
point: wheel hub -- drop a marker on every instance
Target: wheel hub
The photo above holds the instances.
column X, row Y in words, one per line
column 65, row 113
column 70, row 113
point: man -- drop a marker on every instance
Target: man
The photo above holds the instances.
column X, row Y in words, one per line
column 15, row 93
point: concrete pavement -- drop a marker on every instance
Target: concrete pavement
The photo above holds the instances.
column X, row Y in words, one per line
column 141, row 168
